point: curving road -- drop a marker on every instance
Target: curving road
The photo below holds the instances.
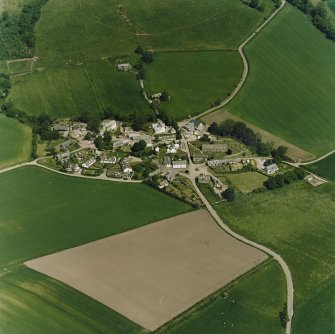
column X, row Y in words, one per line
column 289, row 281
column 316, row 160
column 245, row 63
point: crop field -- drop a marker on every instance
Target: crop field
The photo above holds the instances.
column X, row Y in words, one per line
column 242, row 307
column 324, row 167
column 74, row 89
column 175, row 263
column 280, row 95
column 296, row 221
column 194, row 80
column 247, row 182
column 46, row 212
column 34, row 303
column 16, row 142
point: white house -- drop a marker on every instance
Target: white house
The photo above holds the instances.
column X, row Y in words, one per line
column 159, row 127
column 124, row 67
column 107, row 125
column 156, row 96
column 179, row 164
column 89, row 163
column 271, row 169
column 194, row 125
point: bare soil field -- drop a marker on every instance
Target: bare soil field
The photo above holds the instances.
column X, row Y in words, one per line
column 293, row 152
column 153, row 273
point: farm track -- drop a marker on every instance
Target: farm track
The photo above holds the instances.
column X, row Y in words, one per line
column 316, row 160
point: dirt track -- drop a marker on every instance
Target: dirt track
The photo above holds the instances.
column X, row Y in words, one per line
column 153, row 273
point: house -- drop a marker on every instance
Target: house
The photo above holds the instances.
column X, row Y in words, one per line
column 271, row 169
column 159, row 127
column 66, row 144
column 63, row 157
column 124, row 67
column 156, row 96
column 194, row 125
column 167, row 161
column 89, row 163
column 107, row 125
column 204, row 178
column 163, row 184
column 166, row 138
column 125, row 167
column 120, row 143
column 179, row 164
column 73, row 168
column 104, row 159
column 169, row 176
column 172, row 148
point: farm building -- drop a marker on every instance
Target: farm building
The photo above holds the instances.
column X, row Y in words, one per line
column 62, row 157
column 124, row 67
column 156, row 96
column 220, row 162
column 104, row 159
column 204, row 178
column 89, row 163
column 271, row 169
column 172, row 148
column 179, row 164
column 159, row 127
column 73, row 168
column 163, row 184
column 165, row 138
column 167, row 161
column 66, row 144
column 194, row 125
column 107, row 126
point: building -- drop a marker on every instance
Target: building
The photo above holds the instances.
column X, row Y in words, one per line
column 73, row 168
column 163, row 184
column 66, row 144
column 172, row 148
column 89, row 163
column 220, row 162
column 166, row 138
column 204, row 178
column 167, row 161
column 271, row 169
column 104, row 159
column 169, row 176
column 63, row 157
column 180, row 164
column 159, row 127
column 107, row 125
column 198, row 158
column 124, row 67
column 120, row 143
column 194, row 125
column 156, row 96
column 63, row 129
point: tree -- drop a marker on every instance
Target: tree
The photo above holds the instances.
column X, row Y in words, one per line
column 138, row 147
column 165, row 96
column 254, row 3
column 139, row 50
column 213, row 128
column 229, row 151
column 147, row 57
column 99, row 143
column 229, row 194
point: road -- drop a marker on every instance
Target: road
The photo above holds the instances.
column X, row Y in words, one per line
column 289, row 281
column 316, row 160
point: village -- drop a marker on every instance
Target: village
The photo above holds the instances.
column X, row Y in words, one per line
column 157, row 155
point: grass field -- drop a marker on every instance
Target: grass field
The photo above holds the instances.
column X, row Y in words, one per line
column 194, row 80
column 20, row 66
column 324, row 167
column 46, row 212
column 297, row 222
column 247, row 182
column 115, row 31
column 15, row 141
column 34, row 303
column 280, row 95
column 70, row 90
column 241, row 308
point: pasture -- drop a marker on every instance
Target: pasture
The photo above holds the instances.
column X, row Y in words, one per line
column 324, row 167
column 296, row 221
column 34, row 303
column 280, row 95
column 247, row 182
column 152, row 274
column 242, row 307
column 46, row 212
column 194, row 80
column 15, row 141
column 74, row 89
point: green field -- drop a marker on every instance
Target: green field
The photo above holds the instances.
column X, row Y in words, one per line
column 194, row 80
column 46, row 212
column 34, row 303
column 296, row 221
column 241, row 308
column 287, row 92
column 324, row 167
column 20, row 66
column 247, row 182
column 63, row 88
column 15, row 141
column 73, row 89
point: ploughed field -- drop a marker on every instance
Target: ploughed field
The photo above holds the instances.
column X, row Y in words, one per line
column 152, row 274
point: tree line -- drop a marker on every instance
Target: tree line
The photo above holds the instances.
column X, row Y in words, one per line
column 279, row 180
column 17, row 38
column 318, row 14
column 240, row 131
